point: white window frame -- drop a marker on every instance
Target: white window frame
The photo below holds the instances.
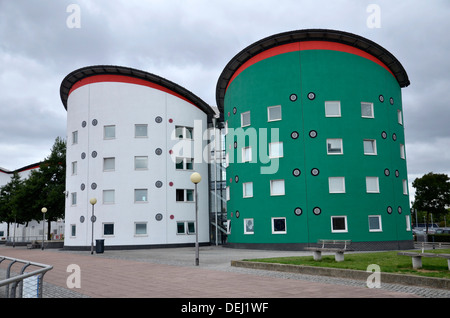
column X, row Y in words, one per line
column 105, row 195
column 248, row 230
column 402, row 151
column 185, row 161
column 187, row 133
column 405, row 186
column 105, row 128
column 73, row 199
column 185, row 196
column 74, row 168
column 242, row 119
column 380, row 229
column 399, row 116
column 227, row 193
column 135, row 229
column 374, row 146
column 75, row 137
column 341, row 147
column 341, row 189
column 377, row 185
column 371, row 108
column 244, row 190
column 408, row 222
column 329, row 103
column 273, row 225
column 268, row 113
column 245, row 151
column 103, row 229
column 280, row 150
column 345, row 230
column 145, row 197
column 271, row 187
column 142, row 158
column 136, row 126
column 109, row 159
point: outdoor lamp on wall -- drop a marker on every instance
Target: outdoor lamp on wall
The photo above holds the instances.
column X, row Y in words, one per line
column 92, row 201
column 195, row 179
column 43, row 210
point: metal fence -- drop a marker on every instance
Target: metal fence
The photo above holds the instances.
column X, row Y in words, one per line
column 21, row 284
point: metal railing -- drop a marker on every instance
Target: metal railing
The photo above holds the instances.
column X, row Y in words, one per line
column 24, row 284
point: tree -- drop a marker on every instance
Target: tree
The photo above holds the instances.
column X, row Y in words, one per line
column 10, row 210
column 432, row 194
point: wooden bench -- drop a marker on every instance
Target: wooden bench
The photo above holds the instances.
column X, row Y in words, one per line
column 417, row 257
column 339, row 247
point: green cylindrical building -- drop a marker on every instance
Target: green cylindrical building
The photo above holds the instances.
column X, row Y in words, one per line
column 315, row 145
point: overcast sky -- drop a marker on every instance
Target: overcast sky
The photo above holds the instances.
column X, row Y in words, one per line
column 190, row 41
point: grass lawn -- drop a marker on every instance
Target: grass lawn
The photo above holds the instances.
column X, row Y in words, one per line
column 389, row 262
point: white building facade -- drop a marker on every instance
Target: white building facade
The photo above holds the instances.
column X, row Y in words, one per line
column 133, row 141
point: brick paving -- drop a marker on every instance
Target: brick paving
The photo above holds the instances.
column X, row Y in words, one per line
column 147, row 274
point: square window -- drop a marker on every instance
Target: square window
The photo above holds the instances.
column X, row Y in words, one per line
column 179, row 132
column 247, row 189
column 140, row 195
column 245, row 119
column 339, row 224
column 108, row 196
column 333, row 109
column 276, row 187
column 372, row 185
column 189, row 163
column 191, row 227
column 140, row 130
column 336, row 184
column 275, row 150
column 334, row 147
column 278, row 225
column 370, row 147
column 140, row 228
column 374, row 223
column 367, row 110
column 248, row 226
column 140, row 162
column 246, row 154
column 274, row 113
column 109, row 164
column 180, row 195
column 108, row 228
column 189, row 133
column 109, row 132
column 179, row 164
column 189, row 195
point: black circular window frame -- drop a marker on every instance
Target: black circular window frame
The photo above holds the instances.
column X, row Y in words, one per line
column 294, row 135
column 298, row 211
column 313, row 134
column 315, row 171
column 311, row 95
column 317, row 210
column 296, row 172
column 293, row 97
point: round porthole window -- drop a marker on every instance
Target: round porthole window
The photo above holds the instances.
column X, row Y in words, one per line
column 158, row 184
column 397, row 173
column 82, row 219
column 317, row 210
column 381, row 98
column 94, row 154
column 236, row 179
column 158, row 119
column 296, row 172
column 235, row 145
column 394, row 137
column 313, row 134
column 237, row 214
column 315, row 171
column 293, row 97
column 158, row 217
column 311, row 96
column 234, row 110
column 83, row 123
column 391, row 100
column 298, row 211
column 158, row 151
column 94, row 186
column 94, row 122
column 384, row 135
column 399, row 209
column 83, row 155
column 389, row 209
column 82, row 187
column 387, row 172
column 294, row 135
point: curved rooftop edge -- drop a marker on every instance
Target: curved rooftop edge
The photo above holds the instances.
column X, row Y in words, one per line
column 28, row 167
column 327, row 35
column 70, row 81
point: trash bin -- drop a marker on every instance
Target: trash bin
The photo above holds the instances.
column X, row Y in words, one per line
column 99, row 246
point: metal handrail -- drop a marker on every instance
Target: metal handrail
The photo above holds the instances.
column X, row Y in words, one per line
column 16, row 280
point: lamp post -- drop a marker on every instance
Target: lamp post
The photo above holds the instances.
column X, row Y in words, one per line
column 196, row 178
column 92, row 201
column 43, row 210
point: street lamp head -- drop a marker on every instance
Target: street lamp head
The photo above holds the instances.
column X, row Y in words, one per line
column 93, row 201
column 196, row 177
column 43, row 210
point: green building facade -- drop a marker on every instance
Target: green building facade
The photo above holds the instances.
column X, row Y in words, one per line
column 315, row 145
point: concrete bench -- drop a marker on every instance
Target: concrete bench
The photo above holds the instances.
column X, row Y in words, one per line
column 417, row 257
column 339, row 247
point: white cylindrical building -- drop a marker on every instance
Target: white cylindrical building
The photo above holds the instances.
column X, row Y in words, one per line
column 133, row 141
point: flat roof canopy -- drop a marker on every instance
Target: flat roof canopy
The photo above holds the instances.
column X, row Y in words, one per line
column 71, row 79
column 350, row 39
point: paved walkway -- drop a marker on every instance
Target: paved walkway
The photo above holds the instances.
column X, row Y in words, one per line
column 170, row 273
